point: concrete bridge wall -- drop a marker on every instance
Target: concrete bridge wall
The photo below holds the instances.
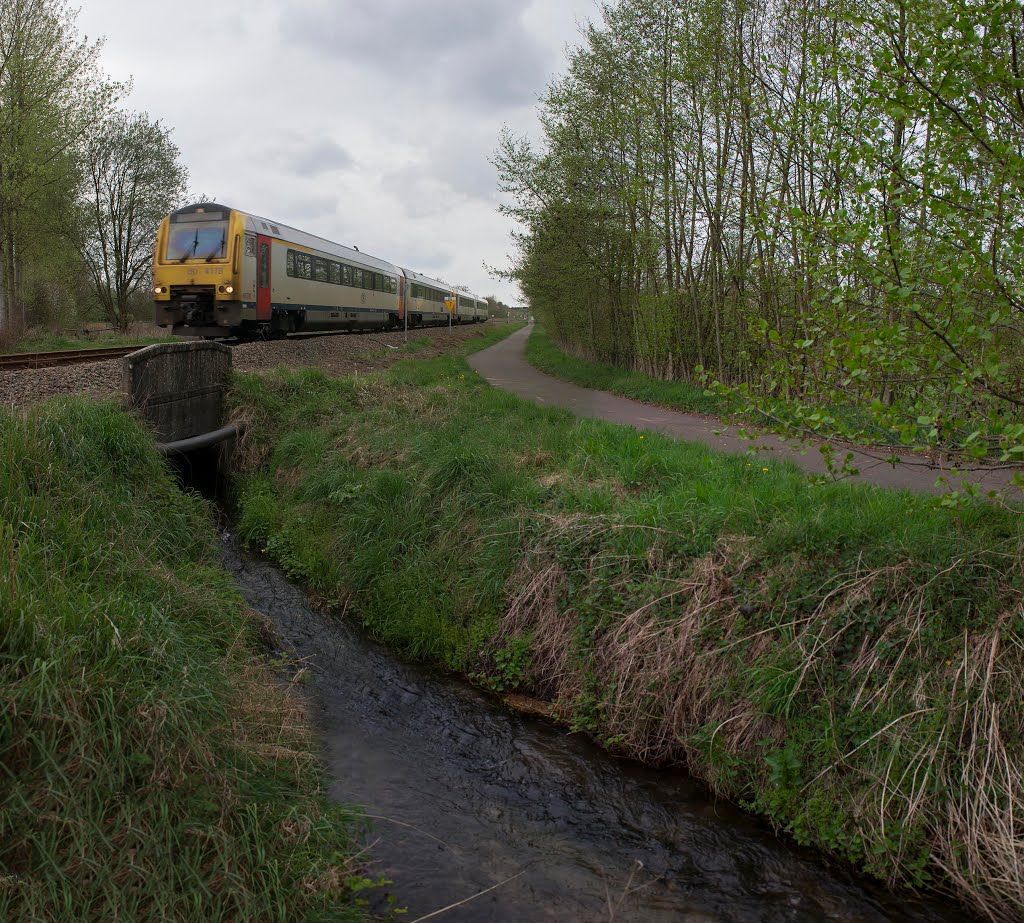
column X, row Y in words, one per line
column 178, row 387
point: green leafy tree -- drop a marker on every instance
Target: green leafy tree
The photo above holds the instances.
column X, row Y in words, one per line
column 52, row 96
column 813, row 205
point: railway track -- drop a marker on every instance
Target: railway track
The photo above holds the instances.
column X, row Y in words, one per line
column 13, row 361
column 63, row 357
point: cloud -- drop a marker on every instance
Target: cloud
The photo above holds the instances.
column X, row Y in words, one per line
column 478, row 52
column 373, row 123
column 311, row 158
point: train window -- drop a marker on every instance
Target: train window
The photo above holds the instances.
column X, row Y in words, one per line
column 357, row 278
column 346, row 275
column 394, row 286
column 304, row 265
column 250, row 246
column 368, row 279
column 320, row 269
column 336, row 273
column 289, row 260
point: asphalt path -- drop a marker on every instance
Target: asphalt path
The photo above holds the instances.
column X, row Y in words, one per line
column 504, row 366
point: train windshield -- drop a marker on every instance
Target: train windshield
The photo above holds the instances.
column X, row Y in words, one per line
column 207, row 240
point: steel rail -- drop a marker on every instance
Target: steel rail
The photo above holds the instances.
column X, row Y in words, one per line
column 15, row 361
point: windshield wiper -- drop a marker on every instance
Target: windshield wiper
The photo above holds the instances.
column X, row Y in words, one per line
column 192, row 249
column 219, row 251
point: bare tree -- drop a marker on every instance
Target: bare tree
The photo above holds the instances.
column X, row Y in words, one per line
column 134, row 177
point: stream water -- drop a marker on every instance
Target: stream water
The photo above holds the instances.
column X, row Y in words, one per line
column 468, row 796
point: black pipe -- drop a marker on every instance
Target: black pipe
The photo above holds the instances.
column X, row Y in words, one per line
column 202, row 441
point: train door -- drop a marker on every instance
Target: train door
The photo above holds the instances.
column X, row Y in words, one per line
column 263, row 278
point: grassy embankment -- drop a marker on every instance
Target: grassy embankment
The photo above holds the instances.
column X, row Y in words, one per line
column 844, row 660
column 53, row 342
column 152, row 765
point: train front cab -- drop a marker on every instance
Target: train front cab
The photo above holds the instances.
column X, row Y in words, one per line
column 197, row 271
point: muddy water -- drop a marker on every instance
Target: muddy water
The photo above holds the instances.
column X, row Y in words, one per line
column 469, row 797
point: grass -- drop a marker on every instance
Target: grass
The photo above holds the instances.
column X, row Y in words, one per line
column 844, row 660
column 542, row 353
column 848, row 423
column 152, row 766
column 52, row 342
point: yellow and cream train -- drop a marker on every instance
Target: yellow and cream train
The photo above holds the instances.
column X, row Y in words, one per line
column 222, row 272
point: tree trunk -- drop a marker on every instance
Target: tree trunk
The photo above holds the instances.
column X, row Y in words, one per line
column 4, row 314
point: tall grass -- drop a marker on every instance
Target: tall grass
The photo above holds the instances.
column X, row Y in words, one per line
column 845, row 660
column 543, row 353
column 152, row 767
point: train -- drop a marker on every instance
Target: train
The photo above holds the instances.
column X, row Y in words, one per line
column 220, row 272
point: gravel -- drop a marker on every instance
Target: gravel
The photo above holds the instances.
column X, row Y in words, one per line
column 338, row 354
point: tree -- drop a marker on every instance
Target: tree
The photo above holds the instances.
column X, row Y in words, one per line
column 134, row 178
column 51, row 96
column 816, row 205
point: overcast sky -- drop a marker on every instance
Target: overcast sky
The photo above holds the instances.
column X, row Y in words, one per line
column 368, row 122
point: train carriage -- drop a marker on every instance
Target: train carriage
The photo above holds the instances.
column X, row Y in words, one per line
column 218, row 271
column 471, row 309
column 425, row 300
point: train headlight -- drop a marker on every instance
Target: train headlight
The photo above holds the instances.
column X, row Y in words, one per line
column 159, row 289
column 225, row 289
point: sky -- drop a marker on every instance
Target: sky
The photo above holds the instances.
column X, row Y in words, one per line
column 368, row 122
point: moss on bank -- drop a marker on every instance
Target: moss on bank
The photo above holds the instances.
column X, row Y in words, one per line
column 153, row 767
column 846, row 661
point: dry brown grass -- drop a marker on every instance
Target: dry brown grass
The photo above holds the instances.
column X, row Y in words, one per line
column 537, row 607
column 981, row 842
column 944, row 756
column 248, row 451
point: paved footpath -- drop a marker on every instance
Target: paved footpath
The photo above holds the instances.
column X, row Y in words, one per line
column 504, row 367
